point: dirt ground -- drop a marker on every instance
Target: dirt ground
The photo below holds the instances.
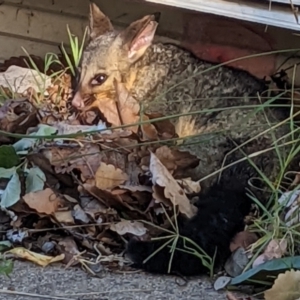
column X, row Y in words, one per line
column 54, row 282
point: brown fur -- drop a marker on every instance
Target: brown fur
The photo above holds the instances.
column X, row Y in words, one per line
column 168, row 79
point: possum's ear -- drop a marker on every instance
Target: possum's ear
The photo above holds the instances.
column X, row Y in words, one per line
column 139, row 35
column 99, row 22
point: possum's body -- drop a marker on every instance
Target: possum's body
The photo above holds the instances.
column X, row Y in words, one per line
column 225, row 113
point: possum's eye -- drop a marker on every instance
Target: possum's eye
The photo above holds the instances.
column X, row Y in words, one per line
column 99, row 79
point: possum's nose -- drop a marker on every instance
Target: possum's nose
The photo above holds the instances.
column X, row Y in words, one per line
column 77, row 101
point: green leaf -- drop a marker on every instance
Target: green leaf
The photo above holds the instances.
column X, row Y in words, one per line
column 35, row 180
column 6, row 266
column 12, row 192
column 27, row 143
column 4, row 245
column 7, row 173
column 267, row 271
column 8, row 157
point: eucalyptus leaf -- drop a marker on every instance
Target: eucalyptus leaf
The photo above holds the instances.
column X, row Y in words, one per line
column 7, row 173
column 268, row 271
column 27, row 143
column 35, row 180
column 12, row 192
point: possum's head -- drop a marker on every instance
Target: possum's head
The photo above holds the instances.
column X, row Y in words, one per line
column 109, row 55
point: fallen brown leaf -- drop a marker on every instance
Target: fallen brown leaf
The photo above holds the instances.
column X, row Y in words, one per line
column 166, row 189
column 64, row 217
column 136, row 188
column 45, row 201
column 126, row 226
column 123, row 109
column 176, row 161
column 285, row 287
column 128, row 109
column 165, row 129
column 230, row 296
column 275, row 249
column 243, row 239
column 189, row 186
column 165, row 155
column 86, row 159
column 69, row 249
column 148, row 130
column 108, row 177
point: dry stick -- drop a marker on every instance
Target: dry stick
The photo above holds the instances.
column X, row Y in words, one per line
column 62, row 297
column 33, row 295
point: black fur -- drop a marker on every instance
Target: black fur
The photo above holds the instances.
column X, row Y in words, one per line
column 221, row 212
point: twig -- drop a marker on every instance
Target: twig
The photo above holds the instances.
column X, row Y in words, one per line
column 33, row 295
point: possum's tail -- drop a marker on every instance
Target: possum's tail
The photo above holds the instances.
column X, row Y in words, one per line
column 221, row 212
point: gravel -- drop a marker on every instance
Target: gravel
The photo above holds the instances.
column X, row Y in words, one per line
column 73, row 283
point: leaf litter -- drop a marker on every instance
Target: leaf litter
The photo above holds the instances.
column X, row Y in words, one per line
column 78, row 199
column 90, row 191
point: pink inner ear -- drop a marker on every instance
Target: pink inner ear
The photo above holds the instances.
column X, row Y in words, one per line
column 143, row 40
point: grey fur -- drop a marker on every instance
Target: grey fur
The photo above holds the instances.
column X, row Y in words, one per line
column 171, row 80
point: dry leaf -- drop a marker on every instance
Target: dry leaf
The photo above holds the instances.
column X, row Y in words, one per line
column 243, row 239
column 20, row 79
column 189, row 186
column 165, row 129
column 128, row 108
column 108, row 177
column 165, row 155
column 45, row 201
column 275, row 249
column 148, row 130
column 230, row 296
column 261, row 259
column 124, row 109
column 86, row 159
column 165, row 183
column 80, row 215
column 136, row 188
column 177, row 162
column 285, row 287
column 126, row 226
column 295, row 182
column 39, row 259
column 69, row 248
column 64, row 217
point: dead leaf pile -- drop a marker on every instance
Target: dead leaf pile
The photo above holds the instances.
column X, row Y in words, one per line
column 74, row 190
column 76, row 199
